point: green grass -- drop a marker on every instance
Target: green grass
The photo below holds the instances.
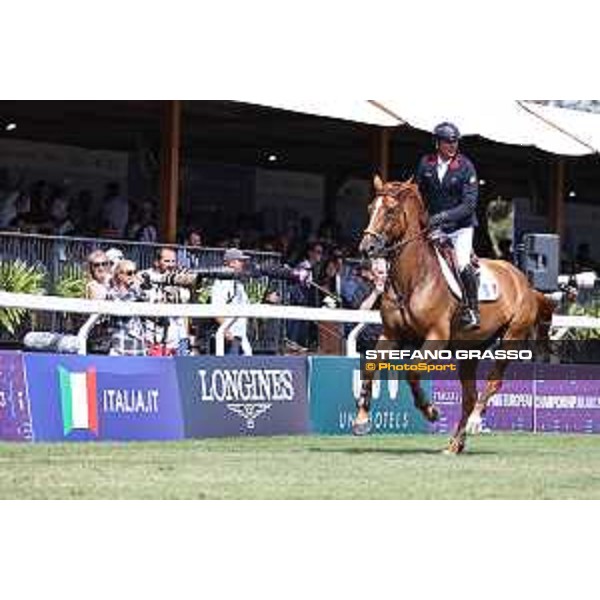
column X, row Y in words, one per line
column 503, row 466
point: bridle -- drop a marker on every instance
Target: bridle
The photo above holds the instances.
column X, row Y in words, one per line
column 391, row 251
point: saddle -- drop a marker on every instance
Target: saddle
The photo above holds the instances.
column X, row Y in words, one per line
column 489, row 290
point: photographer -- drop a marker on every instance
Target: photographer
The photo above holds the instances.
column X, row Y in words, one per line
column 166, row 336
column 127, row 337
column 232, row 291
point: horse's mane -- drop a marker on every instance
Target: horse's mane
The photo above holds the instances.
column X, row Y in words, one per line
column 408, row 190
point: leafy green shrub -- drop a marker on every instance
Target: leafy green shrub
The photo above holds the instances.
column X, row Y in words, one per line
column 21, row 278
column 577, row 310
column 71, row 283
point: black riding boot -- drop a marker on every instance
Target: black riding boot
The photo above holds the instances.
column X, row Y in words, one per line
column 470, row 315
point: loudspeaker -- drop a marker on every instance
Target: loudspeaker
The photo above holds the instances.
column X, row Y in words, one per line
column 540, row 260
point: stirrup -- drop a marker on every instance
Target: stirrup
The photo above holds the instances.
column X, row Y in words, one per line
column 469, row 319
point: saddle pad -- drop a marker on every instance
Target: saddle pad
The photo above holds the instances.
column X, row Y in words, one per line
column 488, row 286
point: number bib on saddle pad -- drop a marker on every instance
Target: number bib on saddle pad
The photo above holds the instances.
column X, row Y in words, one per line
column 488, row 286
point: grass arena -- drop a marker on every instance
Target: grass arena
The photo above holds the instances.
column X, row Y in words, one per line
column 496, row 466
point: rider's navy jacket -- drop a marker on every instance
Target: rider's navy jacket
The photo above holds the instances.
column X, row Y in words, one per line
column 456, row 195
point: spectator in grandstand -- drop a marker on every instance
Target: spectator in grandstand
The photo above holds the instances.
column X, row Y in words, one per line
column 190, row 256
column 142, row 226
column 60, row 222
column 166, row 336
column 84, row 213
column 23, row 220
column 98, row 284
column 270, row 331
column 39, row 194
column 99, row 276
column 127, row 336
column 114, row 256
column 231, row 291
column 330, row 278
column 8, row 196
column 303, row 332
column 364, row 292
column 327, row 233
column 583, row 260
column 115, row 211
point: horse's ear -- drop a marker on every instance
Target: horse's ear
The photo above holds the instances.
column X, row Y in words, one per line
column 411, row 180
column 377, row 183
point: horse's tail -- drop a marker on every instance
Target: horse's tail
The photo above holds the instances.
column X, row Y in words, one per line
column 546, row 305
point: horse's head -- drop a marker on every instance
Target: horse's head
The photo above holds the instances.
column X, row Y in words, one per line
column 396, row 209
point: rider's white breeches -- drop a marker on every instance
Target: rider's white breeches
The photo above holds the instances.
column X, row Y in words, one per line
column 462, row 240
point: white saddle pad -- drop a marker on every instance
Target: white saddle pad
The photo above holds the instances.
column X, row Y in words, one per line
column 488, row 286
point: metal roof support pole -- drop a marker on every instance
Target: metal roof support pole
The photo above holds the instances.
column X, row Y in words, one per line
column 382, row 148
column 557, row 206
column 169, row 170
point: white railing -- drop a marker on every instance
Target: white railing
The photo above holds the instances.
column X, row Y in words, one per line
column 229, row 312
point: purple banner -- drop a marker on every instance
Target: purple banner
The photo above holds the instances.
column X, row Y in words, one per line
column 568, row 398
column 233, row 396
column 509, row 410
column 15, row 418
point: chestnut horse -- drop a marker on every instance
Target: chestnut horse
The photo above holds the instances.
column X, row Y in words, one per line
column 418, row 307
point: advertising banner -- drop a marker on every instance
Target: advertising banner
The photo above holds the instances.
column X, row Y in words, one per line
column 334, row 387
column 568, row 398
column 15, row 419
column 509, row 410
column 89, row 398
column 243, row 396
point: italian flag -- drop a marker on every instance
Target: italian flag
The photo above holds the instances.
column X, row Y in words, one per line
column 78, row 400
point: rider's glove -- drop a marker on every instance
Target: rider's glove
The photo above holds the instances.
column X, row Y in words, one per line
column 437, row 220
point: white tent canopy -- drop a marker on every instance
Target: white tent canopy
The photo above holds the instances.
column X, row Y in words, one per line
column 360, row 111
column 556, row 130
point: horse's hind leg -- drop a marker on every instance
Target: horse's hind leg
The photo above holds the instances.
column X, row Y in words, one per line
column 362, row 422
column 468, row 381
column 493, row 386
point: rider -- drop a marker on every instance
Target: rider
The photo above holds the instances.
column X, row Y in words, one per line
column 448, row 182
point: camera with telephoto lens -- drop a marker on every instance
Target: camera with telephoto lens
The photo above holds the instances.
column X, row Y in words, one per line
column 178, row 278
column 192, row 279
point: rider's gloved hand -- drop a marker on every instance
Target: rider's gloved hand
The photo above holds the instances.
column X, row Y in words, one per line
column 438, row 220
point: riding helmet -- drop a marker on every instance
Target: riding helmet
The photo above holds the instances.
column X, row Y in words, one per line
column 446, row 132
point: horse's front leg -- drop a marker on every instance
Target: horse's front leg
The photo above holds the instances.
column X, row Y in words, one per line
column 428, row 409
column 362, row 422
column 468, row 381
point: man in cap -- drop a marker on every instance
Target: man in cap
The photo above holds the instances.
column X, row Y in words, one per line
column 232, row 292
column 449, row 184
column 114, row 256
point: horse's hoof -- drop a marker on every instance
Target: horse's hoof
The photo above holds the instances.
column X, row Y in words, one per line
column 448, row 452
column 430, row 412
column 455, row 447
column 362, row 428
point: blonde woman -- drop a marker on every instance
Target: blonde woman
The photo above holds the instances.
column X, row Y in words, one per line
column 127, row 335
column 99, row 276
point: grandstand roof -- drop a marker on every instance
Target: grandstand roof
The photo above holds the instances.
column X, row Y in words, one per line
column 244, row 133
column 555, row 130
